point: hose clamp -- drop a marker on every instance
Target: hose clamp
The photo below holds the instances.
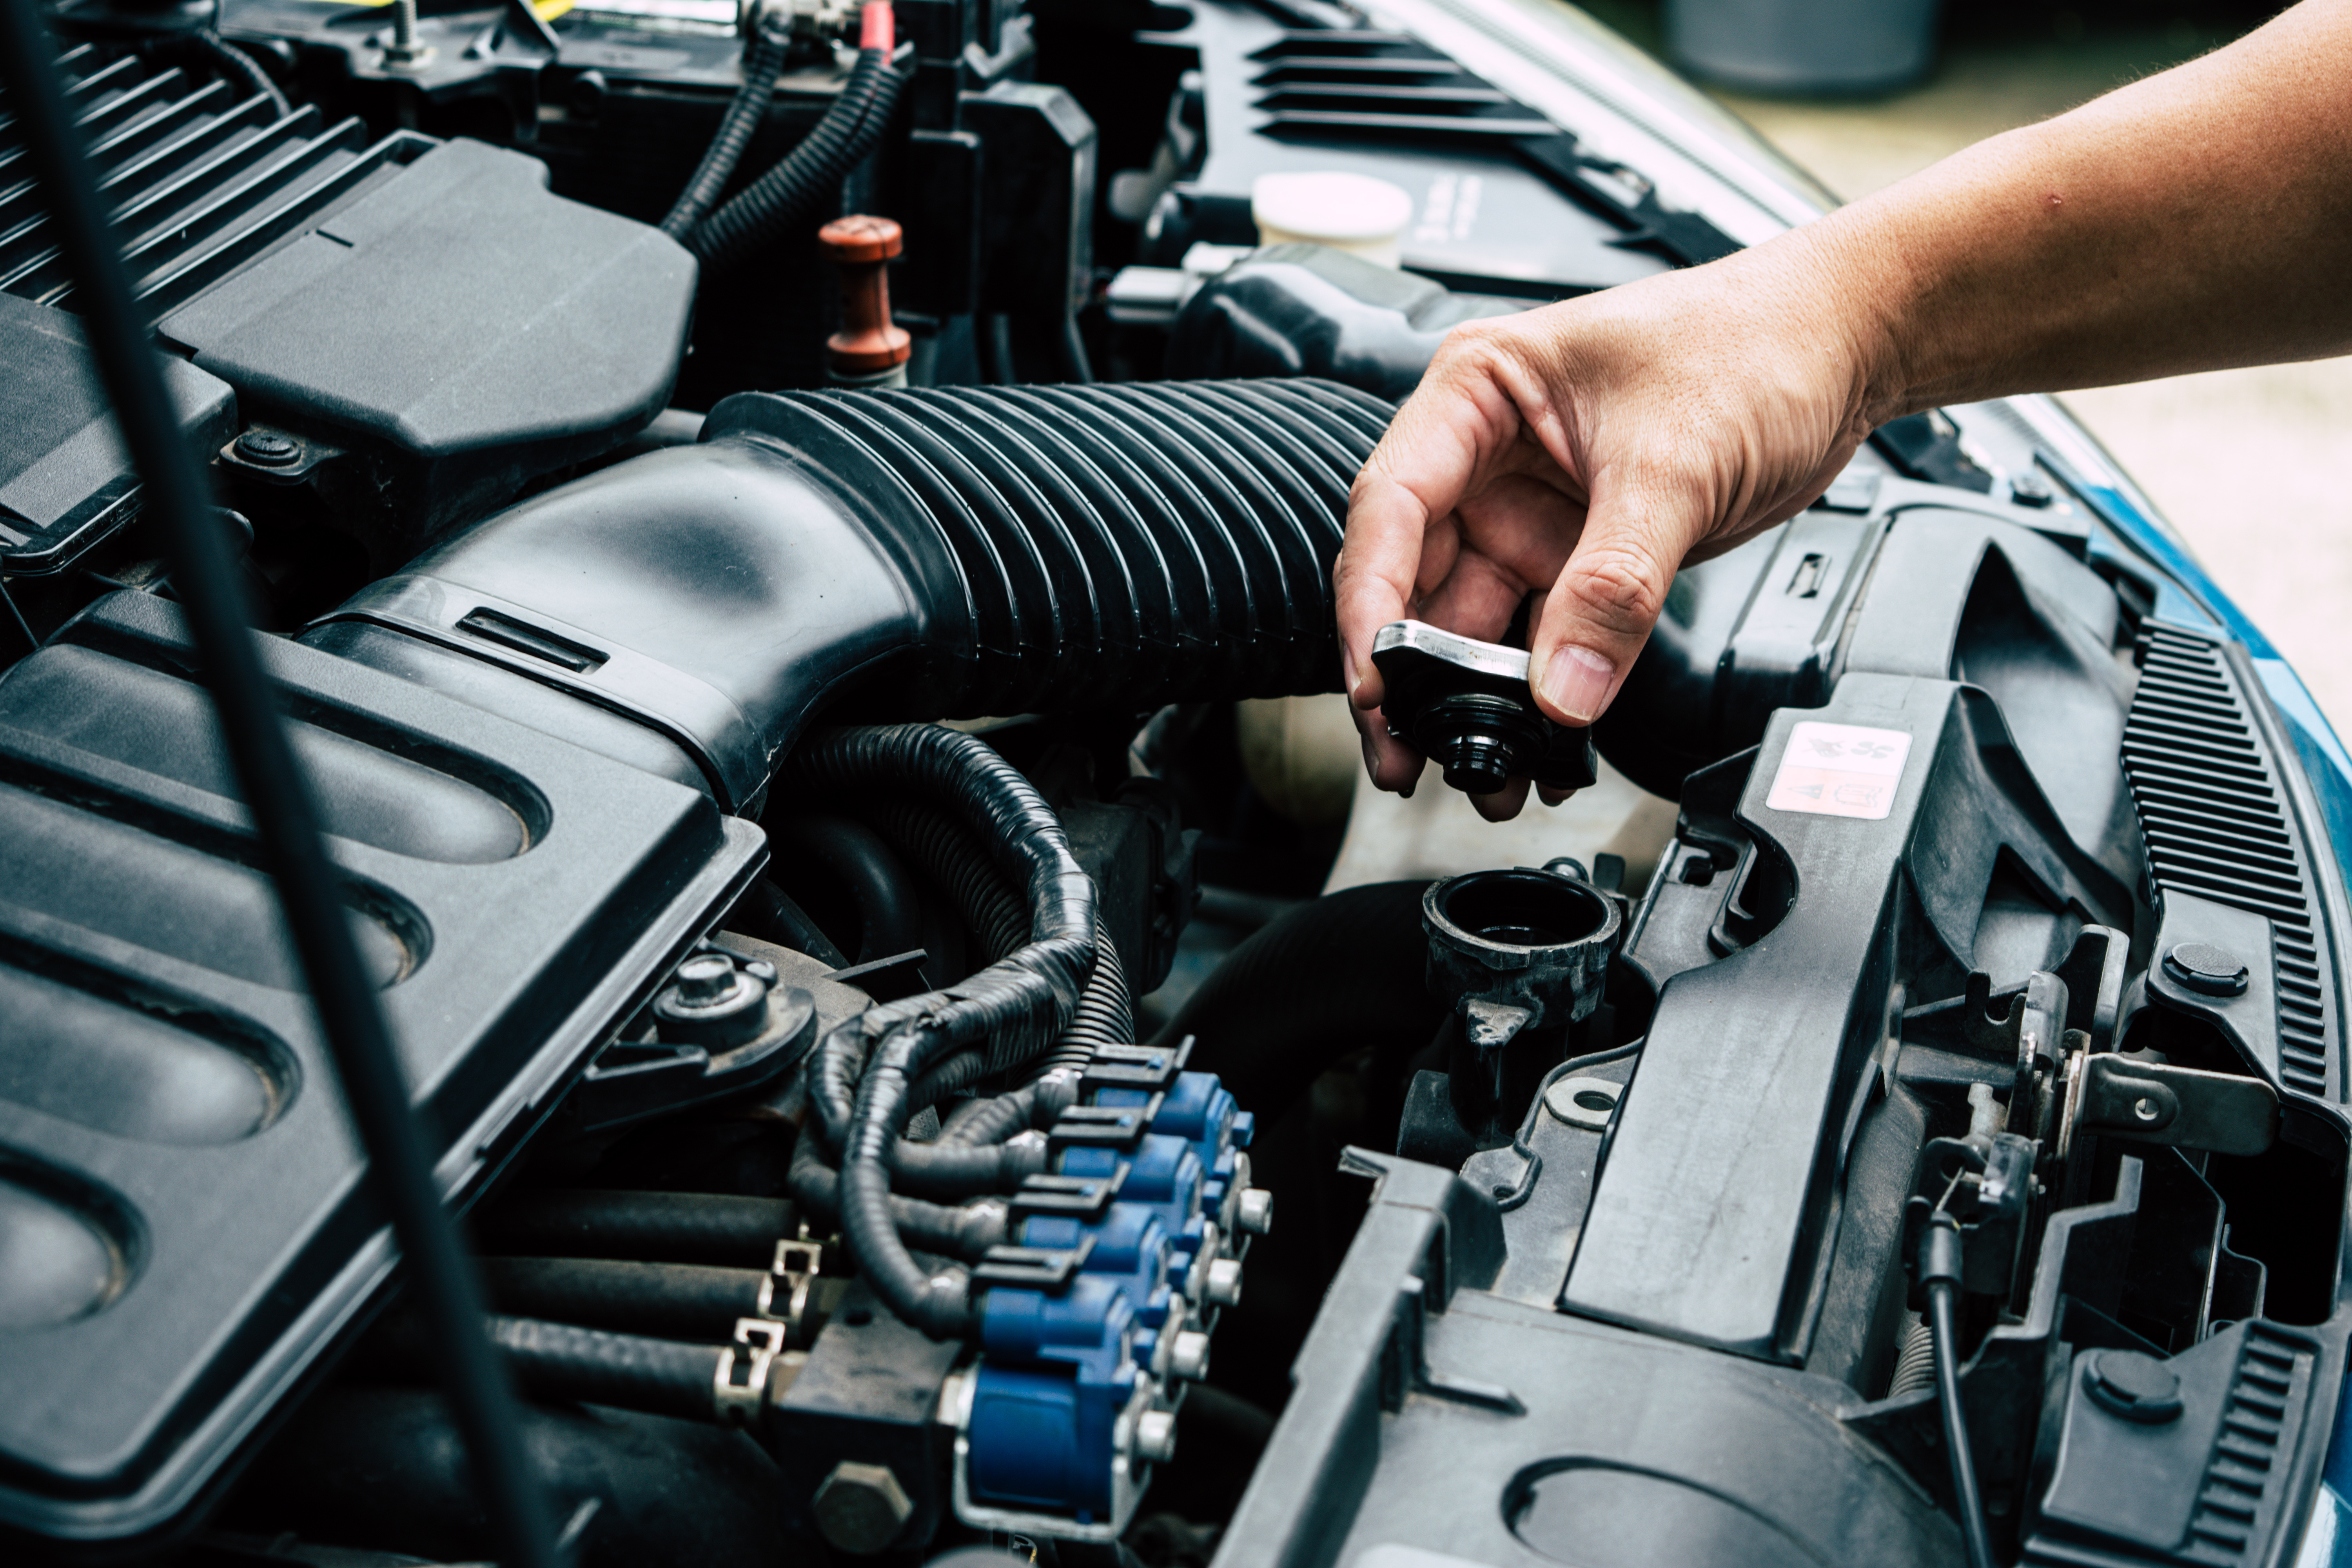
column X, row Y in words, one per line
column 739, row 1399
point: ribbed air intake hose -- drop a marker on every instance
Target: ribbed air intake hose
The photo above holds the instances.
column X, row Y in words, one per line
column 926, row 554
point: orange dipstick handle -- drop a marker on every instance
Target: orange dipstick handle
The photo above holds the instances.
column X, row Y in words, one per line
column 869, row 342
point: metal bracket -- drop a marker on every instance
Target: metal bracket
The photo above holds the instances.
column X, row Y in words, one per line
column 2148, row 1103
column 758, row 1343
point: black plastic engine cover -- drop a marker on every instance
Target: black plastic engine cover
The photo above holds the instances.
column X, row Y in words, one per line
column 183, row 1226
column 65, row 480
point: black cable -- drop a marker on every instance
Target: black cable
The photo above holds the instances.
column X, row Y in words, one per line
column 788, row 195
column 278, row 798
column 764, row 62
column 1075, row 365
column 1939, row 1271
column 235, row 62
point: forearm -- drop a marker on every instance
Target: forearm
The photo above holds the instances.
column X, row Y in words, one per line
column 2194, row 220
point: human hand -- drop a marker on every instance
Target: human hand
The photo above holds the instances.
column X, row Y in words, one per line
column 1582, row 453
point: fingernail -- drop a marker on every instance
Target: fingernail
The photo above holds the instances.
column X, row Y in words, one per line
column 1577, row 681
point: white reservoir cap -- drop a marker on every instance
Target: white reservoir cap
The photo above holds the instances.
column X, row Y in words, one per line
column 1348, row 212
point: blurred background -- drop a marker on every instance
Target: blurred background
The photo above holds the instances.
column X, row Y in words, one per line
column 2248, row 464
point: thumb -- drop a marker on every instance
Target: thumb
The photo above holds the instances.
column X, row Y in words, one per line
column 1608, row 596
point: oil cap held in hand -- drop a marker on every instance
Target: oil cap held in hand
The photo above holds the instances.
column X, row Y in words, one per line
column 1466, row 705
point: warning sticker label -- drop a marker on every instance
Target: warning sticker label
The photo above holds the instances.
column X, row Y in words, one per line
column 1840, row 770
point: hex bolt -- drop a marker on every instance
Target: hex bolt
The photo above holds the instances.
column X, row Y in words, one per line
column 1254, row 1212
column 268, row 449
column 405, row 50
column 1223, row 1286
column 1155, row 1435
column 705, row 980
column 1189, row 1358
column 860, row 1509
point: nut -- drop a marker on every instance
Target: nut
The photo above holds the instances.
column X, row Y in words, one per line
column 1223, row 1284
column 1254, row 1213
column 860, row 1509
column 1155, row 1435
column 1188, row 1357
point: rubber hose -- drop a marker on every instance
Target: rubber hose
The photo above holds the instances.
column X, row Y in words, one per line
column 965, row 1231
column 666, row 1227
column 667, row 1300
column 890, row 908
column 241, row 66
column 787, row 196
column 1329, row 978
column 556, row 1361
column 386, row 1465
column 1019, row 1004
column 1075, row 365
column 1117, row 545
column 938, row 1304
column 768, row 912
column 1105, row 1017
column 950, row 856
column 762, row 63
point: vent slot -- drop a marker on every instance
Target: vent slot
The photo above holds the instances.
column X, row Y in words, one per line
column 201, row 175
column 1377, row 85
column 2217, row 825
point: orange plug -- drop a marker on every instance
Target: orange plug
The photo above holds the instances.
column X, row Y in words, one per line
column 870, row 343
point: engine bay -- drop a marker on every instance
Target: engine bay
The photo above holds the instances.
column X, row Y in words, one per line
column 798, row 541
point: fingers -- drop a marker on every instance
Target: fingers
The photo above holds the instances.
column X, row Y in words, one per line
column 1608, row 595
column 1392, row 764
column 1504, row 803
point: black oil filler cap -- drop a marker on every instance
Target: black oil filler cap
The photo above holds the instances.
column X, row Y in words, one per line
column 1466, row 705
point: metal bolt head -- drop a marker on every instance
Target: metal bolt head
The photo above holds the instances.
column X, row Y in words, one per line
column 860, row 1509
column 1224, row 1283
column 1254, row 1212
column 268, row 448
column 1189, row 1358
column 705, row 979
column 1155, row 1435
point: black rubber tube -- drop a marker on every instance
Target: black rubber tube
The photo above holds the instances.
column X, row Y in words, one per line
column 889, row 906
column 965, row 1231
column 950, row 856
column 761, row 64
column 1939, row 1270
column 768, row 912
column 277, row 794
column 661, row 1377
column 236, row 63
column 667, row 1300
column 787, row 196
column 1105, row 1016
column 714, row 1228
column 1328, row 977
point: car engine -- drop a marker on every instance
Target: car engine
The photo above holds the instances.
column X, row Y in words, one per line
column 797, row 541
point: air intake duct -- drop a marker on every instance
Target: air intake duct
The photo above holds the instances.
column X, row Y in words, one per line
column 928, row 554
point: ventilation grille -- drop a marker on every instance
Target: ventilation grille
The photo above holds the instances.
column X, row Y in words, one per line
column 2240, row 1499
column 2216, row 823
column 202, row 176
column 1381, row 84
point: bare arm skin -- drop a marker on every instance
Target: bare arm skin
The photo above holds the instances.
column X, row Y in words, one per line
column 2196, row 219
